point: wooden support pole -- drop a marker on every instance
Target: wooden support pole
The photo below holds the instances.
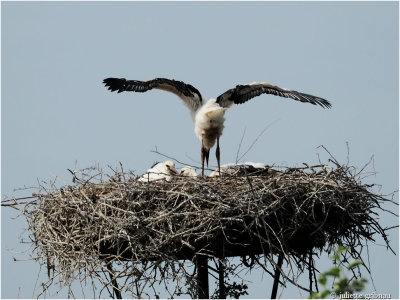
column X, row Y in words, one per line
column 202, row 276
column 114, row 282
column 276, row 276
column 310, row 271
column 221, row 275
column 221, row 270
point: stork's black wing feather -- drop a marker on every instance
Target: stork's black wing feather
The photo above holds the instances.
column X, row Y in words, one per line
column 188, row 93
column 243, row 93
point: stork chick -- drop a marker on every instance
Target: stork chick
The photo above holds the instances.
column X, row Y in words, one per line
column 159, row 171
column 188, row 172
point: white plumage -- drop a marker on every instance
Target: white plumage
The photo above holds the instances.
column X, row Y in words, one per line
column 208, row 115
column 255, row 165
column 188, row 171
column 226, row 169
column 160, row 171
column 209, row 123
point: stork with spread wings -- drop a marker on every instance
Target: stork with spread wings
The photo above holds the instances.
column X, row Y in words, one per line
column 208, row 115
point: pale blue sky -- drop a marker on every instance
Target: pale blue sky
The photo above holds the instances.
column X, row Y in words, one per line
column 55, row 110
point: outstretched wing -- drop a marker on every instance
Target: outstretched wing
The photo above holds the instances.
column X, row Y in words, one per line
column 189, row 94
column 243, row 93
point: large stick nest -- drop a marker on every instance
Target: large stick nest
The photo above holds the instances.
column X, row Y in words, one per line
column 149, row 226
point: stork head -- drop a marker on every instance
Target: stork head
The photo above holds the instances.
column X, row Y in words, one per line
column 170, row 167
column 169, row 163
column 188, row 171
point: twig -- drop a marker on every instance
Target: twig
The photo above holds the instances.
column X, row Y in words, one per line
column 240, row 146
column 256, row 139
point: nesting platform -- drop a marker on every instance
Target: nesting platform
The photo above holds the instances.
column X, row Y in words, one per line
column 292, row 210
column 149, row 228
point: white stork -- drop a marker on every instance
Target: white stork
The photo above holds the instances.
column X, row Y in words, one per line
column 208, row 115
column 159, row 171
column 188, row 171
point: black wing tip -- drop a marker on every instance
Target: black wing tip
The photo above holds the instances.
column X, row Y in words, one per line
column 114, row 84
column 324, row 103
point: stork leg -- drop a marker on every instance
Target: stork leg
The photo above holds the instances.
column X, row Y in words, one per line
column 202, row 159
column 218, row 155
column 205, row 153
column 203, row 156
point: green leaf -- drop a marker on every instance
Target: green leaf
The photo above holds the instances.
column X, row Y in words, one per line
column 325, row 294
column 341, row 283
column 322, row 279
column 339, row 252
column 335, row 271
column 314, row 295
column 353, row 264
column 335, row 257
column 358, row 285
column 340, row 286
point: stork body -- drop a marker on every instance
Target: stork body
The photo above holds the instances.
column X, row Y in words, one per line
column 208, row 126
column 208, row 115
column 159, row 171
